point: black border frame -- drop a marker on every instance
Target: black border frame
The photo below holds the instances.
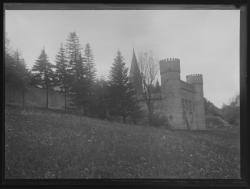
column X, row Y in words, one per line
column 244, row 182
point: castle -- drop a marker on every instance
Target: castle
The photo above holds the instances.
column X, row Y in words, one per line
column 181, row 102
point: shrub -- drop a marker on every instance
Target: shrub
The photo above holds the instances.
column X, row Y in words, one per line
column 160, row 121
column 231, row 114
column 214, row 122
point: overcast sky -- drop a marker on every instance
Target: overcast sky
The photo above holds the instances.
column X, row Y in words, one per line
column 206, row 41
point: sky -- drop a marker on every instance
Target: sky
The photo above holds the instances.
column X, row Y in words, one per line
column 205, row 41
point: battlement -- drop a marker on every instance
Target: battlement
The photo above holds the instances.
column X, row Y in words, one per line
column 170, row 65
column 173, row 60
column 194, row 78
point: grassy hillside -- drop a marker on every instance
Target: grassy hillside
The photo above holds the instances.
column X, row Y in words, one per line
column 44, row 144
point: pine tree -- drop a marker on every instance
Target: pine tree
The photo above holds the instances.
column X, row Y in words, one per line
column 79, row 89
column 99, row 106
column 22, row 74
column 122, row 102
column 73, row 50
column 77, row 72
column 90, row 66
column 43, row 75
column 62, row 73
column 90, row 78
column 16, row 73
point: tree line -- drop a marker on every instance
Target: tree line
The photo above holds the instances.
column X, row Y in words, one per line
column 74, row 74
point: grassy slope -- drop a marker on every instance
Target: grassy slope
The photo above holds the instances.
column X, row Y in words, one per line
column 43, row 144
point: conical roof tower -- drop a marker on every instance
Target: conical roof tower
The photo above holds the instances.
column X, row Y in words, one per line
column 134, row 74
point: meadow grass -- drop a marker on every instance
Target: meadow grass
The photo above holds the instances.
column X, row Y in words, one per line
column 47, row 144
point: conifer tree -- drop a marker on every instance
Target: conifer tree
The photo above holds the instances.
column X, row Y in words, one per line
column 15, row 69
column 62, row 73
column 73, row 50
column 90, row 67
column 122, row 102
column 90, row 78
column 16, row 73
column 77, row 72
column 79, row 89
column 100, row 99
column 43, row 75
column 22, row 74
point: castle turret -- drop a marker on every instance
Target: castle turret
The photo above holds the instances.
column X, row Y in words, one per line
column 171, row 86
column 170, row 71
column 199, row 109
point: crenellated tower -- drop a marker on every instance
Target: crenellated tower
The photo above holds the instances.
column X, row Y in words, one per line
column 171, row 86
column 182, row 102
column 199, row 108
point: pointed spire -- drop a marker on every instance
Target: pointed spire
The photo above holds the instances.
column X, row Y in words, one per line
column 134, row 57
column 134, row 74
column 134, row 69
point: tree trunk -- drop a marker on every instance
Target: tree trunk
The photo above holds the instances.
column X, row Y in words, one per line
column 47, row 98
column 23, row 98
column 150, row 112
column 150, row 117
column 65, row 100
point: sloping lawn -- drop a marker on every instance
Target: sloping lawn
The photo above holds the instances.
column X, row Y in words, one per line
column 45, row 144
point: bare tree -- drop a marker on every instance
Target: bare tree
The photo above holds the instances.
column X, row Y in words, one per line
column 148, row 71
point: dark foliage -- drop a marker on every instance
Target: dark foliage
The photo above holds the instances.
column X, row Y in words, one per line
column 42, row 71
column 62, row 74
column 160, row 121
column 231, row 112
column 211, row 109
column 90, row 66
column 99, row 100
column 122, row 101
column 43, row 75
column 16, row 73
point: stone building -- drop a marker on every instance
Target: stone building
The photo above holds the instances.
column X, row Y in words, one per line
column 182, row 102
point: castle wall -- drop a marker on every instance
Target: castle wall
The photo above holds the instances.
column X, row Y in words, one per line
column 188, row 109
column 182, row 101
column 199, row 112
column 171, row 87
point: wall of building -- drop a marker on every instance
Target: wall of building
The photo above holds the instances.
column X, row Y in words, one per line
column 188, row 109
column 182, row 101
column 197, row 81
